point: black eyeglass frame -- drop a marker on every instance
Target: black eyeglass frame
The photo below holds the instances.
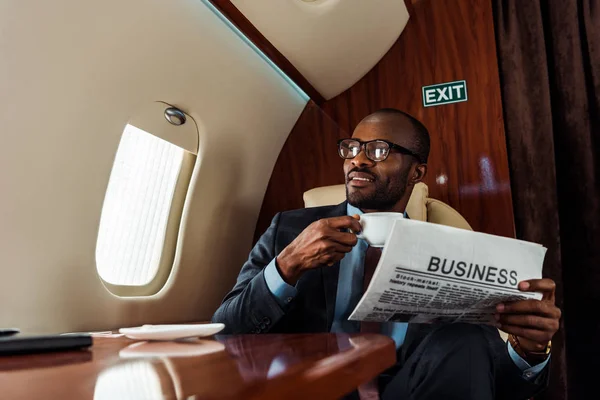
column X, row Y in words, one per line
column 401, row 149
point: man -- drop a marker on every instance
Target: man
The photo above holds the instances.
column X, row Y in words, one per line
column 306, row 273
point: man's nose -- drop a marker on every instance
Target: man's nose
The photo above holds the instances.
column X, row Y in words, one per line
column 361, row 160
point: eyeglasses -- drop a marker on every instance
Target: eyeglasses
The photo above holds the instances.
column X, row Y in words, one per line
column 376, row 150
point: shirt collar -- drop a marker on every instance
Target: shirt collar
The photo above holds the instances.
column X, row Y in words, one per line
column 351, row 210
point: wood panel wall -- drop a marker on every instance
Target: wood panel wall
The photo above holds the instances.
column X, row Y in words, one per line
column 445, row 40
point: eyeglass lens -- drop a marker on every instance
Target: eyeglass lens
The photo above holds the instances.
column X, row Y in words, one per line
column 376, row 150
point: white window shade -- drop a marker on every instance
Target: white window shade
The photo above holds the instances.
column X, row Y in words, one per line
column 137, row 208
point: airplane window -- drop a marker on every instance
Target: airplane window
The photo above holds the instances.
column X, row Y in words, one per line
column 137, row 233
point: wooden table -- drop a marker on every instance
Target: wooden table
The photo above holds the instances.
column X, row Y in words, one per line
column 299, row 366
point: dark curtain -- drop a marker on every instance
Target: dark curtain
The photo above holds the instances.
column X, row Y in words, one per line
column 549, row 61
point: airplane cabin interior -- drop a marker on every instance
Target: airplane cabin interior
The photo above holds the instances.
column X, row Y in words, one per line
column 152, row 153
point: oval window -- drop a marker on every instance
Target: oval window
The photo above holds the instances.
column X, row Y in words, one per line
column 142, row 209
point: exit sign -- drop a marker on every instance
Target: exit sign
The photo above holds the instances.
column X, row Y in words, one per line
column 444, row 93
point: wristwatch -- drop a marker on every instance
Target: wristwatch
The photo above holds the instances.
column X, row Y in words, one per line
column 532, row 357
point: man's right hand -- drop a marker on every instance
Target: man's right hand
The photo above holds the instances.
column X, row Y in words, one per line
column 322, row 243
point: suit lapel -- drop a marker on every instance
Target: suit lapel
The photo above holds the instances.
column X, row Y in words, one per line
column 331, row 275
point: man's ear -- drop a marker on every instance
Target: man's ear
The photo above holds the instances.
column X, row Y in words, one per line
column 418, row 174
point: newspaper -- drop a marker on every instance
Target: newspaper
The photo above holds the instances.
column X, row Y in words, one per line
column 434, row 273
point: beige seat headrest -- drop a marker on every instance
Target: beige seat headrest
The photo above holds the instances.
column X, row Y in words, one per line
column 420, row 206
column 324, row 196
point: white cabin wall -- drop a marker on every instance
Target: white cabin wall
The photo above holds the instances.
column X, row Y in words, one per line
column 332, row 43
column 72, row 73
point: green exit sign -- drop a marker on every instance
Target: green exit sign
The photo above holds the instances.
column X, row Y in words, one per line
column 444, row 93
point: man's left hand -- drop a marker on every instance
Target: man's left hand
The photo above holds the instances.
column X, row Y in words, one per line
column 534, row 322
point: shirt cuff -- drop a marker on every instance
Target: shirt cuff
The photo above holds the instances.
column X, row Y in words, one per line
column 284, row 293
column 529, row 372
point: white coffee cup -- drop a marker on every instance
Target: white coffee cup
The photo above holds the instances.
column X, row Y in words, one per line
column 376, row 227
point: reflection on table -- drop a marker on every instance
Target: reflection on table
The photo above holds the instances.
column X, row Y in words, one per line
column 226, row 367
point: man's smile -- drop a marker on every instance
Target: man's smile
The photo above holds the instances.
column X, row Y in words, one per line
column 360, row 179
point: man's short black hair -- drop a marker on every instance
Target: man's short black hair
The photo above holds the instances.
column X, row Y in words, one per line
column 421, row 134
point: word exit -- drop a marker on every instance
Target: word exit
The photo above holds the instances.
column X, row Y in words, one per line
column 444, row 93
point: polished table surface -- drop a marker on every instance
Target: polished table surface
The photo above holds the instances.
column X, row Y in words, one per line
column 270, row 366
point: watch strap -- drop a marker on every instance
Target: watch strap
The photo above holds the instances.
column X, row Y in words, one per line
column 532, row 357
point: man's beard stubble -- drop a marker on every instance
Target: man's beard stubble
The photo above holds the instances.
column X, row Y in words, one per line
column 384, row 197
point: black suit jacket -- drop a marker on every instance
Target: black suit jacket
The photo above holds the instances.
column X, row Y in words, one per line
column 250, row 307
